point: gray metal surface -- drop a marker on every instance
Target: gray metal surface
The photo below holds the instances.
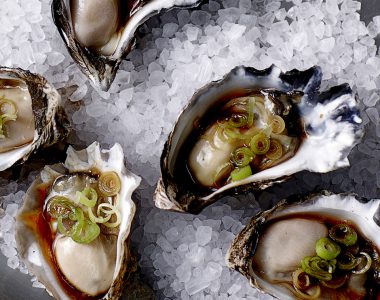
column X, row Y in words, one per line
column 17, row 286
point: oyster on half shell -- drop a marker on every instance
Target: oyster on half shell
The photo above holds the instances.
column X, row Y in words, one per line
column 31, row 115
column 73, row 230
column 211, row 137
column 100, row 33
column 274, row 249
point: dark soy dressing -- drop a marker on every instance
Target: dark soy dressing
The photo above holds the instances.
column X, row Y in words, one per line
column 372, row 284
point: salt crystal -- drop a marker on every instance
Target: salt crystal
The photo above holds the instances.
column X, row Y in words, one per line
column 11, row 210
column 192, row 33
column 169, row 30
column 172, row 234
column 13, row 262
column 203, row 235
column 198, row 17
column 55, row 58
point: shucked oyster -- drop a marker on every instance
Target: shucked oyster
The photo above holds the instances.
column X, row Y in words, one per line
column 31, row 115
column 326, row 247
column 73, row 230
column 252, row 129
column 100, row 33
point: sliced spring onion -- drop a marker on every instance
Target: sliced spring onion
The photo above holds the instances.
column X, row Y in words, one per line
column 344, row 234
column 87, row 197
column 241, row 173
column 260, row 144
column 317, row 267
column 347, row 261
column 365, row 262
column 277, row 124
column 109, row 209
column 68, row 227
column 109, row 184
column 60, row 206
column 275, row 150
column 327, row 249
column 242, row 156
column 300, row 279
column 310, row 294
column 238, row 120
column 7, row 107
column 89, row 232
column 335, row 283
column 97, row 219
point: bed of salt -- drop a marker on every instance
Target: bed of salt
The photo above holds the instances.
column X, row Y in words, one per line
column 182, row 256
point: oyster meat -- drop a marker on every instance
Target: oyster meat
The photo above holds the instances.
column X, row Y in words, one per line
column 74, row 227
column 100, row 33
column 252, row 129
column 323, row 247
column 31, row 115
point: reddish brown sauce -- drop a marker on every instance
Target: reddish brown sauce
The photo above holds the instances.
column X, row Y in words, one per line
column 39, row 223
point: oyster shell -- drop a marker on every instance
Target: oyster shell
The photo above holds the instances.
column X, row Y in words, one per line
column 275, row 241
column 326, row 122
column 40, row 120
column 99, row 50
column 60, row 263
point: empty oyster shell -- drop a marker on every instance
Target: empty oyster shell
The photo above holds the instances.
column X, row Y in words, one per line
column 31, row 115
column 76, row 264
column 99, row 34
column 269, row 250
column 326, row 126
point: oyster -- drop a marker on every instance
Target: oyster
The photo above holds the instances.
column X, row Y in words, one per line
column 99, row 34
column 329, row 240
column 74, row 227
column 252, row 129
column 31, row 115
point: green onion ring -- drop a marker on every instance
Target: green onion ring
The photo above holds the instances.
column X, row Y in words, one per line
column 347, row 261
column 111, row 209
column 277, row 124
column 90, row 231
column 241, row 173
column 260, row 144
column 368, row 263
column 327, row 249
column 317, row 267
column 238, row 120
column 60, row 206
column 344, row 234
column 301, row 280
column 97, row 219
column 87, row 197
column 109, row 184
column 242, row 156
column 275, row 150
